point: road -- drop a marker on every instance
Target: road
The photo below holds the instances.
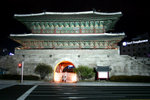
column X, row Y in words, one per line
column 57, row 92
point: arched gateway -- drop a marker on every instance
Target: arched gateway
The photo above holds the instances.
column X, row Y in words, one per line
column 63, row 72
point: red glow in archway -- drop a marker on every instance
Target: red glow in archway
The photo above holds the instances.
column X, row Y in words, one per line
column 63, row 72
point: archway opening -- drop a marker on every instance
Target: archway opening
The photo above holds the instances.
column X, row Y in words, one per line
column 64, row 72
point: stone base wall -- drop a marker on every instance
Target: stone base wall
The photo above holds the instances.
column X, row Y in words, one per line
column 119, row 64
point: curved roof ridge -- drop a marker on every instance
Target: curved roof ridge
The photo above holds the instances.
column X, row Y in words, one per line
column 68, row 13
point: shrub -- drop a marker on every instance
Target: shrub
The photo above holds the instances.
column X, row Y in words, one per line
column 134, row 78
column 84, row 72
column 43, row 70
column 31, row 77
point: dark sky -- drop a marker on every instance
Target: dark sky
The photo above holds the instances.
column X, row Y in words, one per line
column 135, row 19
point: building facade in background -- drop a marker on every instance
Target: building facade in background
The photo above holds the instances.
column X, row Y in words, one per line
column 136, row 47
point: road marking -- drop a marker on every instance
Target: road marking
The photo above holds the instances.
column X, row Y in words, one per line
column 71, row 93
column 76, row 97
column 22, row 97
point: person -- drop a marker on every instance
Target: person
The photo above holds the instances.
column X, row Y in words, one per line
column 64, row 77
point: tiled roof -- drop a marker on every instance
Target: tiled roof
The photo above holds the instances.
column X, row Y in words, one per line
column 62, row 37
column 103, row 68
column 68, row 13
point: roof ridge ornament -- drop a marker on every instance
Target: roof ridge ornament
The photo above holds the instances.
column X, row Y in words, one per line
column 94, row 10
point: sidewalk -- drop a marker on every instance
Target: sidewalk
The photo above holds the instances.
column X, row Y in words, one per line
column 101, row 84
column 8, row 83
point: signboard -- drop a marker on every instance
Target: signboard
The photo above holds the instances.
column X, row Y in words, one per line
column 103, row 72
column 103, row 75
column 133, row 42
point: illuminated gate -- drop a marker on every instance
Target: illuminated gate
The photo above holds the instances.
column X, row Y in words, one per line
column 63, row 72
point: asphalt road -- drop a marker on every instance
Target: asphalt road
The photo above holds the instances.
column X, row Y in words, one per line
column 54, row 92
column 13, row 92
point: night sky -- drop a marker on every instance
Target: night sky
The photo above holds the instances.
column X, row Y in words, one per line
column 135, row 19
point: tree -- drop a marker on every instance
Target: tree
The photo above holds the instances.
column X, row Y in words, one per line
column 84, row 72
column 43, row 70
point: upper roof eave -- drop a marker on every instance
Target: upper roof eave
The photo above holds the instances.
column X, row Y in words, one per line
column 67, row 13
column 104, row 34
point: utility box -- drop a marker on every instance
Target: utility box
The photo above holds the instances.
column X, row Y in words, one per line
column 102, row 72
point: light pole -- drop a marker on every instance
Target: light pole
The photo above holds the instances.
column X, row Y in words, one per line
column 22, row 71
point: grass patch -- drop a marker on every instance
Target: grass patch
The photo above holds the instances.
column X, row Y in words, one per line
column 135, row 78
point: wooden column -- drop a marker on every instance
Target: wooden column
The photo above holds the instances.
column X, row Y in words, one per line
column 104, row 30
column 80, row 30
column 94, row 44
column 54, row 30
column 79, row 44
column 53, row 46
column 41, row 31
